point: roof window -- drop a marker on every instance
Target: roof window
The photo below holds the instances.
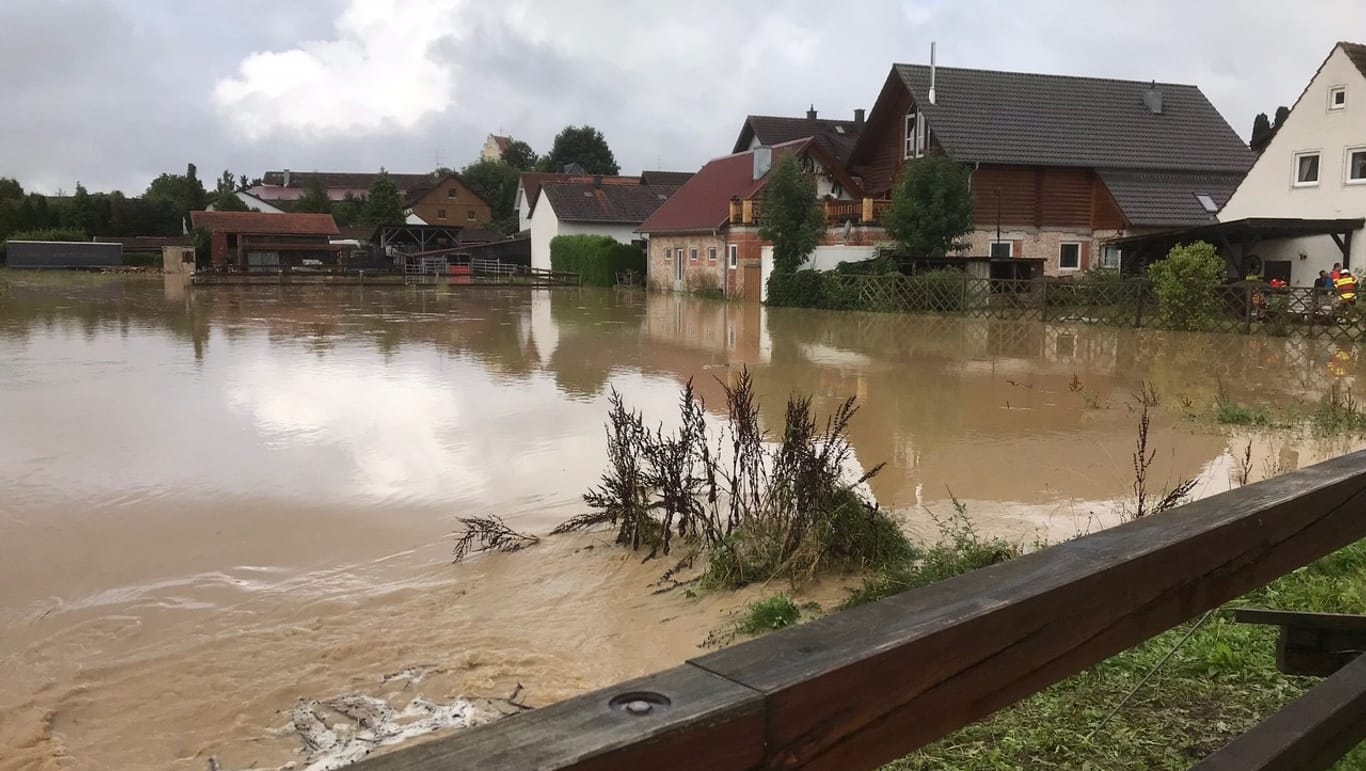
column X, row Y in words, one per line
column 1207, row 202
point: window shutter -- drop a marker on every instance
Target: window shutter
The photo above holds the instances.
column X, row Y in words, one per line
column 1085, row 255
column 1017, row 248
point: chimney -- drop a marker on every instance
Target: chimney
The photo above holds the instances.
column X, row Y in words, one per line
column 932, row 73
column 763, row 161
column 811, row 112
column 286, row 182
column 1152, row 99
column 859, row 116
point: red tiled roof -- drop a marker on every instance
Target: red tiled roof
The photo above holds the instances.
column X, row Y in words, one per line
column 703, row 203
column 263, row 223
column 622, row 204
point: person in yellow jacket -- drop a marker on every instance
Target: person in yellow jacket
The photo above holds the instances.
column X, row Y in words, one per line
column 1346, row 284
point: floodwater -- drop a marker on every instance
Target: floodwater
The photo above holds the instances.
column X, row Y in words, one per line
column 214, row 503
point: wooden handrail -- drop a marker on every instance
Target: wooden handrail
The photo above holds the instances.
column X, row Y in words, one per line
column 862, row 687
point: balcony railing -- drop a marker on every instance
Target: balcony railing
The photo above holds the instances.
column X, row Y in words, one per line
column 863, row 211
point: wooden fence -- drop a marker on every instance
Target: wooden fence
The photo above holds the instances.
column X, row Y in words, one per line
column 1248, row 308
column 862, row 687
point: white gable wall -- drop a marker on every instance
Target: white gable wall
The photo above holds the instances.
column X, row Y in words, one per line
column 546, row 224
column 1269, row 190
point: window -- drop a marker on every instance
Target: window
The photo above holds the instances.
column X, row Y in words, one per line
column 1001, row 249
column 915, row 135
column 450, row 192
column 1356, row 165
column 1206, row 202
column 692, row 254
column 471, row 215
column 1337, row 97
column 1110, row 257
column 1306, row 169
column 668, row 255
column 734, row 255
column 441, row 214
column 1069, row 256
column 711, row 254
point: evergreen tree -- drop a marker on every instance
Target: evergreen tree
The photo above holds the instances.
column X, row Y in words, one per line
column 1261, row 132
column 80, row 212
column 931, row 208
column 496, row 183
column 383, row 204
column 346, row 212
column 520, row 156
column 792, row 218
column 315, row 198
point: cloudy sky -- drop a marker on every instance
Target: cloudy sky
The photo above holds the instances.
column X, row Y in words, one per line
column 113, row 92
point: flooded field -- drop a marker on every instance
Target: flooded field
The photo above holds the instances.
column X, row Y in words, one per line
column 215, row 503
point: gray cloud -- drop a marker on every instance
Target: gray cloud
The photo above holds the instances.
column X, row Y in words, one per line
column 112, row 92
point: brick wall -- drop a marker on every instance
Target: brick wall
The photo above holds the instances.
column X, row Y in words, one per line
column 701, row 273
column 1034, row 243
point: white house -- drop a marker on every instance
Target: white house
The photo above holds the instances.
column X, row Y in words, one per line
column 253, row 203
column 1314, row 168
column 590, row 208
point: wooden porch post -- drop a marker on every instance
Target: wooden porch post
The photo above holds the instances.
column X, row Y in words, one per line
column 868, row 214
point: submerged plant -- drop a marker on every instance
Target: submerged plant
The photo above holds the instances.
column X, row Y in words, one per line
column 758, row 508
column 489, row 533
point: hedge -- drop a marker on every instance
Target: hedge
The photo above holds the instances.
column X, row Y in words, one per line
column 597, row 259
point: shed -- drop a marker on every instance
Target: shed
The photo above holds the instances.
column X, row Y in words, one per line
column 62, row 254
column 259, row 241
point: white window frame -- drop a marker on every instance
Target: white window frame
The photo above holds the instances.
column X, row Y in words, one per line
column 692, row 254
column 711, row 254
column 1010, row 248
column 668, row 254
column 1062, row 267
column 1347, row 178
column 1333, row 104
column 1295, row 169
column 915, row 134
column 733, row 256
column 1119, row 257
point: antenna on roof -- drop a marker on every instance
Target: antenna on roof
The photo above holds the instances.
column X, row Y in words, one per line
column 932, row 72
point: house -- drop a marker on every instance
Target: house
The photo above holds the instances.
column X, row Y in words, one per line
column 529, row 187
column 494, row 147
column 267, row 242
column 594, row 207
column 706, row 236
column 252, row 202
column 837, row 137
column 1310, row 181
column 1060, row 164
column 434, row 199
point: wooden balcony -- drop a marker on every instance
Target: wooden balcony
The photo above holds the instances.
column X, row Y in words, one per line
column 864, row 211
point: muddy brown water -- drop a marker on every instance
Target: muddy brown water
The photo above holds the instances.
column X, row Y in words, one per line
column 214, row 503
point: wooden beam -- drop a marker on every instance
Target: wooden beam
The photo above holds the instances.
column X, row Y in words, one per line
column 701, row 721
column 1311, row 734
column 859, row 688
column 1314, row 644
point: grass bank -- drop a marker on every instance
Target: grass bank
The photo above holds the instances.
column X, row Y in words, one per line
column 1220, row 682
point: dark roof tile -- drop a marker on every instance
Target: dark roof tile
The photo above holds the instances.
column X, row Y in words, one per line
column 1062, row 120
column 586, row 202
column 837, row 137
column 675, row 178
column 1167, row 199
column 1357, row 53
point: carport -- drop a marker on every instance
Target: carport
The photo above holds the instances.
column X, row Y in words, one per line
column 1237, row 241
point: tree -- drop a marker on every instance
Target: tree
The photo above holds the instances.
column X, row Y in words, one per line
column 185, row 193
column 520, row 156
column 225, row 194
column 383, row 205
column 346, row 212
column 496, row 183
column 1261, row 132
column 583, row 145
column 792, row 220
column 1187, row 283
column 1282, row 113
column 931, row 208
column 80, row 213
column 315, row 198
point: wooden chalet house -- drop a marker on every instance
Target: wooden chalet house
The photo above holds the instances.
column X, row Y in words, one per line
column 1060, row 164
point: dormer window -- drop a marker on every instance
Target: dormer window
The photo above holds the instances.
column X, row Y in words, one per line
column 1337, row 97
column 915, row 134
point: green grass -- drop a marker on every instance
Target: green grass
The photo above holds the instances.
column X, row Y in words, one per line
column 762, row 616
column 1220, row 683
column 1234, row 414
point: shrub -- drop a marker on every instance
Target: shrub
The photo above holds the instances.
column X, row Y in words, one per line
column 802, row 289
column 757, row 508
column 931, row 209
column 1187, row 283
column 705, row 283
column 597, row 259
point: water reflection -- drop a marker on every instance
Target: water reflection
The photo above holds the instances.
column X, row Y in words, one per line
column 493, row 399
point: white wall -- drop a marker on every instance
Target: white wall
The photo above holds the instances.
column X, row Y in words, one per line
column 253, row 203
column 546, row 225
column 824, row 258
column 523, row 208
column 1269, row 190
